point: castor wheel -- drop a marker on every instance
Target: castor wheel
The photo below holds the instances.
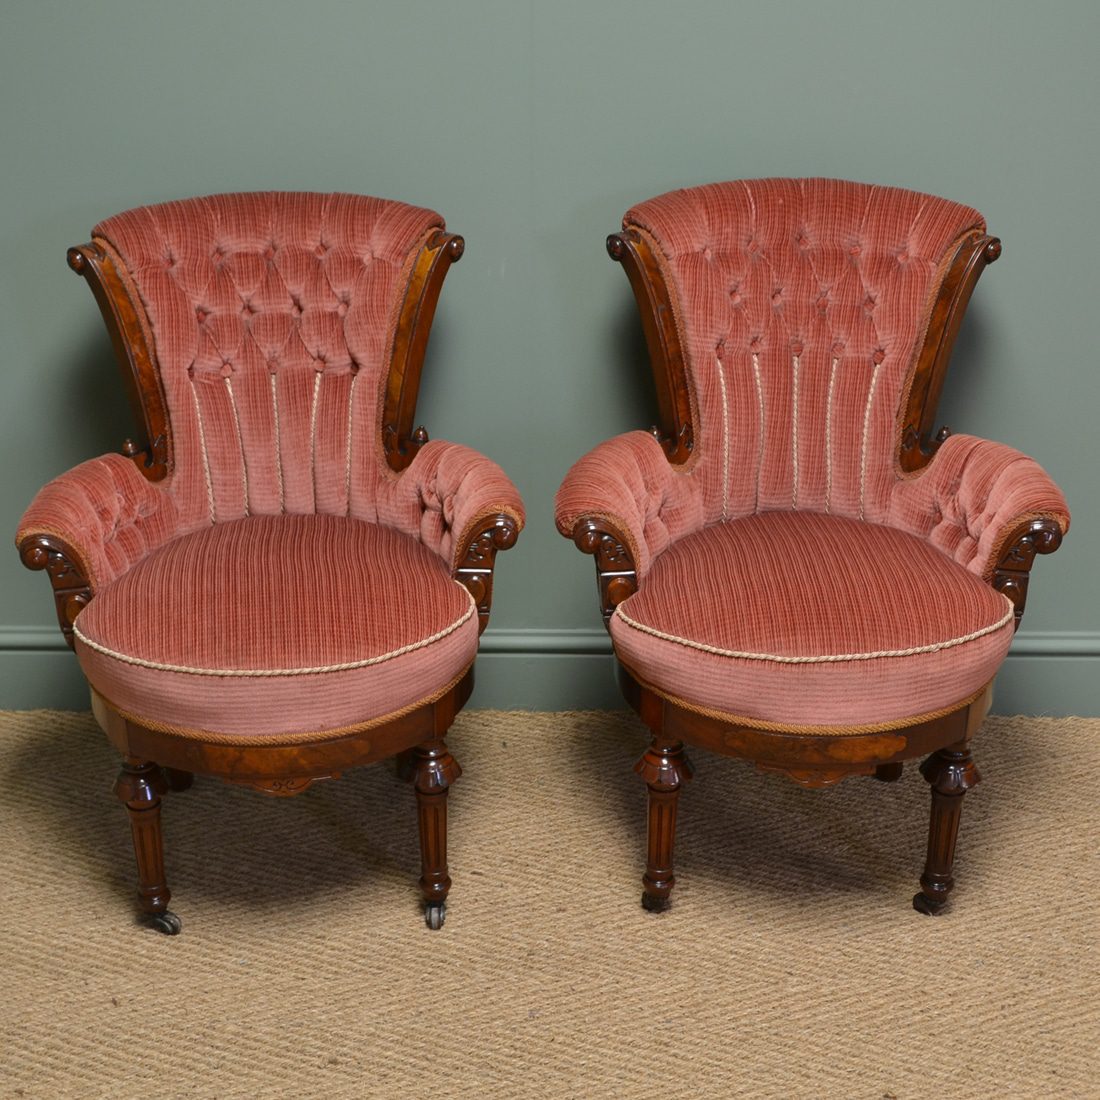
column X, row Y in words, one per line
column 654, row 905
column 166, row 922
column 924, row 904
column 435, row 913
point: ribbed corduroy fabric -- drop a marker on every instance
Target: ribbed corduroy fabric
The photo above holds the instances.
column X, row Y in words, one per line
column 272, row 315
column 106, row 511
column 811, row 619
column 802, row 305
column 329, row 621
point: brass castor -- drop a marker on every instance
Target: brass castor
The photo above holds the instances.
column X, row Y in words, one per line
column 435, row 913
column 166, row 922
column 654, row 905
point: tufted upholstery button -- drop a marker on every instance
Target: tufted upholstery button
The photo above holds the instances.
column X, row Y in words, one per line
column 837, row 349
column 342, row 308
column 797, row 348
column 869, row 303
column 248, row 310
column 878, row 355
column 777, row 296
column 321, row 249
column 708, row 253
column 201, row 314
column 802, row 240
column 855, row 249
column 269, row 252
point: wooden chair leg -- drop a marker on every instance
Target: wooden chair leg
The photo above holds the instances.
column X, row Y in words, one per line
column 951, row 773
column 140, row 785
column 436, row 770
column 406, row 765
column 665, row 769
column 178, row 780
column 889, row 773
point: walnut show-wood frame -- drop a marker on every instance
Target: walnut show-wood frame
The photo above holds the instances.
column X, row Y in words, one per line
column 160, row 759
column 823, row 758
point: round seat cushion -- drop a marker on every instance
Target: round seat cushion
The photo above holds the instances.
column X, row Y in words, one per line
column 798, row 619
column 276, row 625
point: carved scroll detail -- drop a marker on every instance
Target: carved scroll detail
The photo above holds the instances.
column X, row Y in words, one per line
column 285, row 786
column 1038, row 536
column 476, row 561
column 616, row 574
column 72, row 591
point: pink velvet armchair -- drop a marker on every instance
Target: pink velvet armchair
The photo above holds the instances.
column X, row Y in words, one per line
column 281, row 579
column 796, row 567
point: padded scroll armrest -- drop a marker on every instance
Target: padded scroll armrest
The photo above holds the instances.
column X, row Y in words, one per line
column 628, row 483
column 463, row 506
column 986, row 505
column 90, row 525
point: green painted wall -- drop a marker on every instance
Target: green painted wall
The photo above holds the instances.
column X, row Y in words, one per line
column 532, row 127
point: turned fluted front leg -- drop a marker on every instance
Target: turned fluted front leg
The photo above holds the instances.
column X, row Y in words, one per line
column 665, row 769
column 139, row 786
column 436, row 770
column 951, row 773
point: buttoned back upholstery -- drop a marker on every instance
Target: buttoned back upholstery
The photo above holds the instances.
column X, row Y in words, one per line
column 802, row 305
column 272, row 317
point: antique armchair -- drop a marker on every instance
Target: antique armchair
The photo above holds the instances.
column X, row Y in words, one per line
column 281, row 579
column 795, row 567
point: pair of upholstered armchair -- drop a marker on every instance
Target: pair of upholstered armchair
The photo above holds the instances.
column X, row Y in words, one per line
column 282, row 578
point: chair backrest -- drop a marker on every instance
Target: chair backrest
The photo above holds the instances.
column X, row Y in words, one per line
column 801, row 308
column 270, row 322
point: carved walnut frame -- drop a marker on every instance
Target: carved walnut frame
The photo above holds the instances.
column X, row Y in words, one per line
column 815, row 760
column 156, row 760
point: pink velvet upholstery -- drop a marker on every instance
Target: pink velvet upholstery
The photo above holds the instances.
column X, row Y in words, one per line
column 107, row 511
column 803, row 303
column 808, row 619
column 277, row 625
column 801, row 306
column 272, row 317
column 628, row 481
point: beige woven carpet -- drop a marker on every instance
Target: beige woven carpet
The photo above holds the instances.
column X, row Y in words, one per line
column 790, row 966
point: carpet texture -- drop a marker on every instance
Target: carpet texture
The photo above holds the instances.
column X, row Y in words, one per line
column 791, row 963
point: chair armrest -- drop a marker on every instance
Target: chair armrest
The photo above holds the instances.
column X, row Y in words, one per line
column 625, row 503
column 89, row 526
column 463, row 506
column 628, row 482
column 988, row 506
